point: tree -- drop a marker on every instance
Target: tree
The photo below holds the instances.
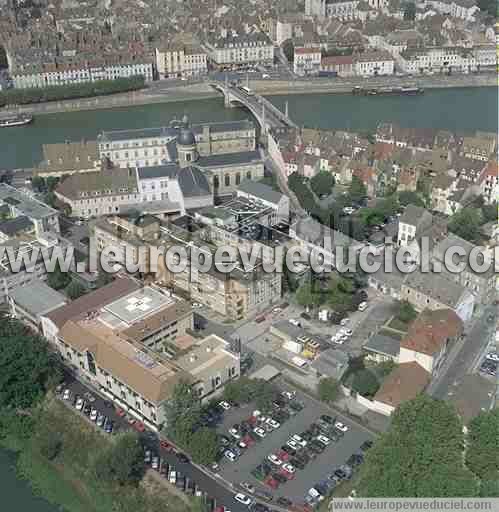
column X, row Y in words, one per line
column 25, row 366
column 407, row 197
column 203, row 446
column 489, row 6
column 357, row 190
column 305, row 296
column 328, row 389
column 322, row 183
column 365, row 383
column 49, row 443
column 466, row 223
column 406, row 312
column 122, row 462
column 489, row 212
column 265, row 393
column 421, row 455
column 74, row 290
column 183, row 412
column 289, row 50
column 410, row 11
column 58, row 279
column 482, row 455
column 238, row 391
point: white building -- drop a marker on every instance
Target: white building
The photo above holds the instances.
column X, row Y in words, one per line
column 241, row 50
column 343, row 10
column 307, row 61
column 315, row 8
column 267, row 197
column 374, row 63
column 180, row 61
column 412, row 223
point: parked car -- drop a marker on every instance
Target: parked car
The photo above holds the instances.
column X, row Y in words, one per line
column 224, row 405
column 87, row 409
column 341, row 426
column 293, row 444
column 80, row 403
column 274, row 459
column 100, row 420
column 94, row 414
column 273, row 423
column 299, row 440
column 172, row 477
column 234, row 432
column 327, row 419
column 366, row 445
column 260, row 432
column 108, row 426
column 242, row 498
column 147, row 457
column 155, row 462
column 284, row 502
column 324, row 440
column 247, row 487
column 289, row 468
column 230, row 455
column 182, row 457
column 66, row 395
column 290, row 395
column 492, row 356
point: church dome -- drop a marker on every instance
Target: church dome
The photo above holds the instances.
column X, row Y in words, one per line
column 186, row 137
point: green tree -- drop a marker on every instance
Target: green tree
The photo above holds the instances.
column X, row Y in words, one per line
column 410, row 11
column 122, row 462
column 406, row 312
column 183, row 412
column 289, row 50
column 25, row 366
column 203, row 446
column 238, row 391
column 365, row 383
column 305, row 296
column 482, row 455
column 322, row 183
column 328, row 389
column 489, row 212
column 74, row 290
column 424, row 438
column 264, row 393
column 405, row 198
column 58, row 279
column 466, row 223
column 357, row 190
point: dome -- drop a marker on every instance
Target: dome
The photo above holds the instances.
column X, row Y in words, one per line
column 186, row 137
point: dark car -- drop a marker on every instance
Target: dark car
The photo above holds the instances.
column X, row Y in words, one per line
column 87, row 409
column 182, row 457
column 296, row 405
column 284, row 502
column 339, row 473
column 288, row 450
column 366, row 445
column 328, row 419
column 224, row 440
column 280, row 478
column 259, row 507
column 108, row 426
column 306, row 316
column 299, row 463
column 317, row 446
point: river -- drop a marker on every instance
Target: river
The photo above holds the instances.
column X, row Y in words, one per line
column 462, row 109
column 17, row 494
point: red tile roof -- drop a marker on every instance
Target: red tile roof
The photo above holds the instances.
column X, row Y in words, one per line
column 404, row 383
column 430, row 331
column 305, row 51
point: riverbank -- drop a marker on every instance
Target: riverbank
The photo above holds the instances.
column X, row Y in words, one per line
column 202, row 91
column 66, row 476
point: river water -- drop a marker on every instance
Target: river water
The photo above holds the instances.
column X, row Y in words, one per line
column 465, row 109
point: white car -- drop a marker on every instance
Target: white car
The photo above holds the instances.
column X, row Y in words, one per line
column 242, row 498
column 299, row 440
column 155, row 462
column 273, row 423
column 173, row 477
column 289, row 468
column 290, row 395
column 264, row 75
column 224, row 405
column 93, row 414
column 242, row 445
column 79, row 404
column 348, row 210
column 274, row 459
column 293, row 444
column 230, row 455
column 492, row 356
column 324, row 440
column 345, row 332
column 341, row 426
column 259, row 432
column 235, row 433
column 339, row 340
column 344, row 321
column 362, row 306
column 66, row 395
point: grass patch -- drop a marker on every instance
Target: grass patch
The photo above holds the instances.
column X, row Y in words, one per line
column 398, row 325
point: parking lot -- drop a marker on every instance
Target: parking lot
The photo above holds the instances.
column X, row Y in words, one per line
column 318, row 469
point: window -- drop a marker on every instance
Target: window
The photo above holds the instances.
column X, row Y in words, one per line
column 248, row 175
column 238, row 178
column 227, row 180
column 216, row 182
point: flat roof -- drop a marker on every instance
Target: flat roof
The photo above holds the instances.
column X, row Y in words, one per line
column 267, row 372
column 28, row 206
column 138, row 305
column 222, row 160
column 37, row 298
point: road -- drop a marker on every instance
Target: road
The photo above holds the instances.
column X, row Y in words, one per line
column 463, row 357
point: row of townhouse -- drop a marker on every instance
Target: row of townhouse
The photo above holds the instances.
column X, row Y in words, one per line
column 441, row 59
column 38, row 77
column 174, row 61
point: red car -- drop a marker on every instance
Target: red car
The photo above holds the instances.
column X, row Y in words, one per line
column 166, row 445
column 271, row 482
column 120, row 412
column 139, row 426
column 286, row 474
column 283, row 455
column 248, row 441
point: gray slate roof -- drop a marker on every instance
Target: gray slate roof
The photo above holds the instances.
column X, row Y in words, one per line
column 414, row 215
column 436, row 286
column 37, row 298
column 260, row 191
column 244, row 157
column 384, row 345
column 158, row 171
column 12, row 226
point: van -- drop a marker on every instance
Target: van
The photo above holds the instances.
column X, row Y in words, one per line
column 362, row 306
column 295, row 322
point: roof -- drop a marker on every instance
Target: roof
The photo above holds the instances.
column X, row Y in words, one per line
column 267, row 372
column 37, row 298
column 193, row 182
column 307, row 51
column 415, row 215
column 473, row 395
column 92, row 301
column 404, row 383
column 32, row 208
column 139, row 133
column 337, row 60
column 243, row 157
column 13, row 226
column 436, row 286
column 261, row 191
column 431, row 330
column 385, row 345
column 314, row 232
column 70, row 155
column 106, row 182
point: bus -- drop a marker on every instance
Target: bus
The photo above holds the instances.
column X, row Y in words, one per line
column 246, row 90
